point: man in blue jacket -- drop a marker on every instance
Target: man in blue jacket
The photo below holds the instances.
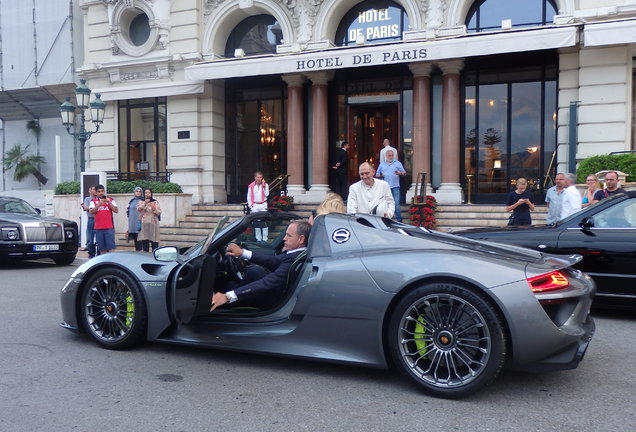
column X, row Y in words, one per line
column 265, row 285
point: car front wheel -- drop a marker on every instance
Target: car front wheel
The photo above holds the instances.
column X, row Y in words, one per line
column 113, row 309
column 447, row 339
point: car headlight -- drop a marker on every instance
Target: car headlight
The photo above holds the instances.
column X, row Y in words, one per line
column 69, row 234
column 10, row 233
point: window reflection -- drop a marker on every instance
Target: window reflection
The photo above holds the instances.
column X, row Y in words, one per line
column 254, row 134
column 510, row 124
column 257, row 34
column 372, row 21
column 142, row 135
column 486, row 15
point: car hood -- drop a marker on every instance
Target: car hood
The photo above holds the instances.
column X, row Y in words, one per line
column 26, row 218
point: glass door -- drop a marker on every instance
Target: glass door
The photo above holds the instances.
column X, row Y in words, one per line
column 368, row 127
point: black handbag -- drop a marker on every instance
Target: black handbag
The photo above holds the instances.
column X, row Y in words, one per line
column 511, row 219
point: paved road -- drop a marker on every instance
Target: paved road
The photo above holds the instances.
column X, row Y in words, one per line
column 53, row 380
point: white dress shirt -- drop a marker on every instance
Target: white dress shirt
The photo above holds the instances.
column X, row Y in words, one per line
column 570, row 202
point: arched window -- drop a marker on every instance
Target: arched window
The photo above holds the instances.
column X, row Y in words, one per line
column 486, row 15
column 372, row 21
column 258, row 34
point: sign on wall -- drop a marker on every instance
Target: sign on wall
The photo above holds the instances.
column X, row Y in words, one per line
column 372, row 24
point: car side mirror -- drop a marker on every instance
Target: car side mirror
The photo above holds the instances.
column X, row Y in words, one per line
column 586, row 224
column 166, row 253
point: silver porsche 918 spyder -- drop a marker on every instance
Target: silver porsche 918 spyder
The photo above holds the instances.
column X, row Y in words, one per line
column 448, row 312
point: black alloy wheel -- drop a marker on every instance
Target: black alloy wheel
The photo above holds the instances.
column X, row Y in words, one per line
column 113, row 309
column 447, row 339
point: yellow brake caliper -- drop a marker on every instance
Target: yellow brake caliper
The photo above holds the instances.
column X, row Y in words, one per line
column 130, row 311
column 419, row 334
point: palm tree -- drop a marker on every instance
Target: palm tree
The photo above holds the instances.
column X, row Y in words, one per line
column 24, row 163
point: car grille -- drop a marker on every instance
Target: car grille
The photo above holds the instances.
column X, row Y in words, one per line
column 45, row 232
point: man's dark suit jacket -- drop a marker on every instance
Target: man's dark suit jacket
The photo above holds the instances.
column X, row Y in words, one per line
column 341, row 157
column 272, row 284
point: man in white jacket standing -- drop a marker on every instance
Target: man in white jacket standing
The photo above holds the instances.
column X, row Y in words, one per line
column 571, row 200
column 257, row 193
column 370, row 195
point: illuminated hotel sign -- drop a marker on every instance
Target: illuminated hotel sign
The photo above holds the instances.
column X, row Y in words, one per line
column 374, row 24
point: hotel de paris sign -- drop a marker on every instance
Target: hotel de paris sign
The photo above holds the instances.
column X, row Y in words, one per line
column 384, row 54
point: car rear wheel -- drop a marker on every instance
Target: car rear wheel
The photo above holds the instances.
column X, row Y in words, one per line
column 447, row 339
column 113, row 309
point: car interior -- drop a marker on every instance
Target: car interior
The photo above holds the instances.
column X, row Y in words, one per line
column 622, row 215
column 213, row 272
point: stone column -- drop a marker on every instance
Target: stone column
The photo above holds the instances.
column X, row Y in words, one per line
column 319, row 137
column 421, row 125
column 450, row 189
column 295, row 133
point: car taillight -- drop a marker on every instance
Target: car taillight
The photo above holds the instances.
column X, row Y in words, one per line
column 548, row 282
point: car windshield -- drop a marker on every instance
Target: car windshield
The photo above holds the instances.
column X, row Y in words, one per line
column 220, row 228
column 14, row 205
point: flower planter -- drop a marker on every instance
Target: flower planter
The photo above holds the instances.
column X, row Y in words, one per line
column 423, row 213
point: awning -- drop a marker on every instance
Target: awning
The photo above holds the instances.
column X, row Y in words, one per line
column 139, row 91
column 35, row 102
column 384, row 54
column 609, row 33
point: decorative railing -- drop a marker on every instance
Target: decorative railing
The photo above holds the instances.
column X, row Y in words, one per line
column 159, row 176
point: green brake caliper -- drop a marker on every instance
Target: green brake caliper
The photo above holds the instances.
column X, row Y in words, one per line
column 419, row 334
column 130, row 311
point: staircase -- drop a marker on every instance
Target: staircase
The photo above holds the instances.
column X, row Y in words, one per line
column 203, row 220
column 450, row 218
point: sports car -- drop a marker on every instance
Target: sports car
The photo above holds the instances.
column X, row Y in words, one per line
column 603, row 233
column 448, row 312
column 26, row 234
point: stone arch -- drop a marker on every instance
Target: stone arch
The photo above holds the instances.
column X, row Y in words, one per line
column 458, row 9
column 332, row 12
column 229, row 14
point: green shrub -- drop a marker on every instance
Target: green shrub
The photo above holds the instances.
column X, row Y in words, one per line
column 625, row 162
column 121, row 187
column 124, row 187
column 67, row 188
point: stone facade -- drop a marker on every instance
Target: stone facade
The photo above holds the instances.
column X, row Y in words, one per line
column 599, row 75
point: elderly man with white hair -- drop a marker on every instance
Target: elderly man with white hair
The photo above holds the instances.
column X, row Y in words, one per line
column 571, row 200
column 370, row 195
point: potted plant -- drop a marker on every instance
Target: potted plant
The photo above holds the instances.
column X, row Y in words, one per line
column 422, row 212
column 282, row 202
column 18, row 158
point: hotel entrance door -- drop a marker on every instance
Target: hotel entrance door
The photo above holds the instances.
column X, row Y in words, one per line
column 369, row 125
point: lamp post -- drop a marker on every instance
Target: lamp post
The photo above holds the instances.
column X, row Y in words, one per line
column 67, row 111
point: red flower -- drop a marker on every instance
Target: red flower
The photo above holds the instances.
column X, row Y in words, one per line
column 423, row 213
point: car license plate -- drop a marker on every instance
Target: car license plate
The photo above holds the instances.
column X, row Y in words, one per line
column 46, row 247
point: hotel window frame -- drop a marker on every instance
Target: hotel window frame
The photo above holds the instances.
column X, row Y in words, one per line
column 268, row 89
column 475, row 12
column 159, row 135
column 510, row 71
column 239, row 33
column 342, row 33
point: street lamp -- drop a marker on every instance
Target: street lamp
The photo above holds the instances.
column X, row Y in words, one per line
column 67, row 111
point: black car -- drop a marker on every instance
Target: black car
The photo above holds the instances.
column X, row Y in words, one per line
column 26, row 234
column 603, row 233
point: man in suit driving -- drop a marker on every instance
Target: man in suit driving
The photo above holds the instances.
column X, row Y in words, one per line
column 265, row 285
